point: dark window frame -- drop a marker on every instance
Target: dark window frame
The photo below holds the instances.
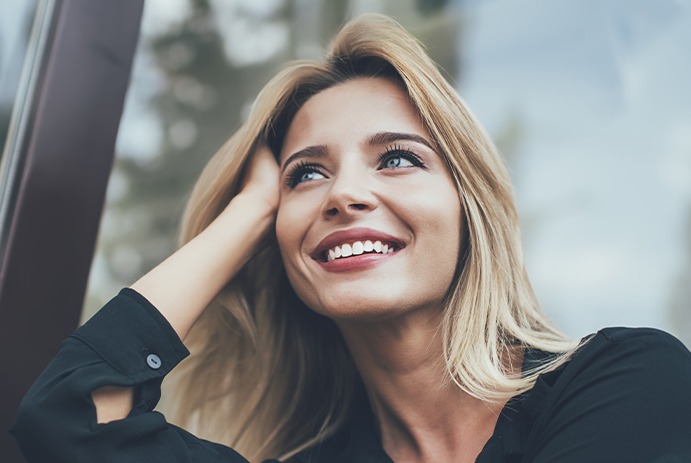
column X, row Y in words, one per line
column 55, row 170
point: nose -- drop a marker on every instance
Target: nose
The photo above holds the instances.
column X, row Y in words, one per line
column 351, row 193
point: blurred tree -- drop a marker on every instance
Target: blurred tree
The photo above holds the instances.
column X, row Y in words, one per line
column 431, row 6
column 198, row 107
column 334, row 15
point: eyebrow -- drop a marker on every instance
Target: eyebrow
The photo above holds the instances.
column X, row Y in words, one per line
column 384, row 138
column 379, row 138
column 315, row 151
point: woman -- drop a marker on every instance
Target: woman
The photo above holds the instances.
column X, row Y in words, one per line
column 389, row 318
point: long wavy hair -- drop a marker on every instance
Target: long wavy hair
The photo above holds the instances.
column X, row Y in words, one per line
column 269, row 376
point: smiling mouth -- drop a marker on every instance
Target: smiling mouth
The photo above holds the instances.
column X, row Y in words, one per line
column 358, row 248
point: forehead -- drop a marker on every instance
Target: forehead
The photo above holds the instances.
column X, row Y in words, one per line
column 350, row 112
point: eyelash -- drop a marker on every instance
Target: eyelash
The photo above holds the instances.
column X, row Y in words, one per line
column 399, row 151
column 298, row 169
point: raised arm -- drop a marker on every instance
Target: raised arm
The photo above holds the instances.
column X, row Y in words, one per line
column 185, row 283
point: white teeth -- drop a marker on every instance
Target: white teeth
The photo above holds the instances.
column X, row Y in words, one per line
column 358, row 248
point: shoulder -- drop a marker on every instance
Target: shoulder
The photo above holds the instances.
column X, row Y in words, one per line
column 623, row 396
column 640, row 336
column 615, row 361
column 635, row 352
column 618, row 357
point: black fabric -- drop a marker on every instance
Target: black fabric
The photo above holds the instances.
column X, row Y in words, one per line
column 624, row 397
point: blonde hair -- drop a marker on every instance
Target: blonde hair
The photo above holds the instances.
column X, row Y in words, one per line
column 269, row 376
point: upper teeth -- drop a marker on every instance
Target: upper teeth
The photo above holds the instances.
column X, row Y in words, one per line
column 358, row 247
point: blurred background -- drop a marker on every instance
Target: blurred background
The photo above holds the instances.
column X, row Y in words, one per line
column 588, row 101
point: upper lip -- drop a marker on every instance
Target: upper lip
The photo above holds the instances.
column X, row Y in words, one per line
column 351, row 235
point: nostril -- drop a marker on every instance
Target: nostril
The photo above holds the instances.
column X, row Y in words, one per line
column 346, row 208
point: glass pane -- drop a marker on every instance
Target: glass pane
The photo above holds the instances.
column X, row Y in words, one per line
column 588, row 102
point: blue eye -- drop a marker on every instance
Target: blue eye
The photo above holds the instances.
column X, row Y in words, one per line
column 399, row 158
column 397, row 161
column 310, row 175
column 302, row 173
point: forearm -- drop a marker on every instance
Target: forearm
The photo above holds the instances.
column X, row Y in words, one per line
column 186, row 282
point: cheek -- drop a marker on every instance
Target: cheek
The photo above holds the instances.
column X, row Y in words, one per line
column 287, row 236
column 453, row 216
column 293, row 220
column 282, row 226
column 292, row 224
column 456, row 232
column 440, row 220
column 287, row 229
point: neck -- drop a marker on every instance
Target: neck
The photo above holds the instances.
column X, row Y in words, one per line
column 422, row 414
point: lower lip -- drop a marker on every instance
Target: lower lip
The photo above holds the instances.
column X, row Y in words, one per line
column 355, row 263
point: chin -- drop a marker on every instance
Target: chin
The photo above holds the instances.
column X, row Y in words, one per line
column 366, row 307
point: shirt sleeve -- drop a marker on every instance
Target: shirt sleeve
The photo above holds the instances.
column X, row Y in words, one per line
column 626, row 396
column 127, row 343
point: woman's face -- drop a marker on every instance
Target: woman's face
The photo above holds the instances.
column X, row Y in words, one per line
column 369, row 220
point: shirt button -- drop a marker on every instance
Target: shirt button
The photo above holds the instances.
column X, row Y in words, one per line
column 153, row 361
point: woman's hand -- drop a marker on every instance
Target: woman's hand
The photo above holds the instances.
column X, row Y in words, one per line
column 261, row 178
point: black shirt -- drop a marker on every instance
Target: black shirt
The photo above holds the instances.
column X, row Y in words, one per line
column 624, row 397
